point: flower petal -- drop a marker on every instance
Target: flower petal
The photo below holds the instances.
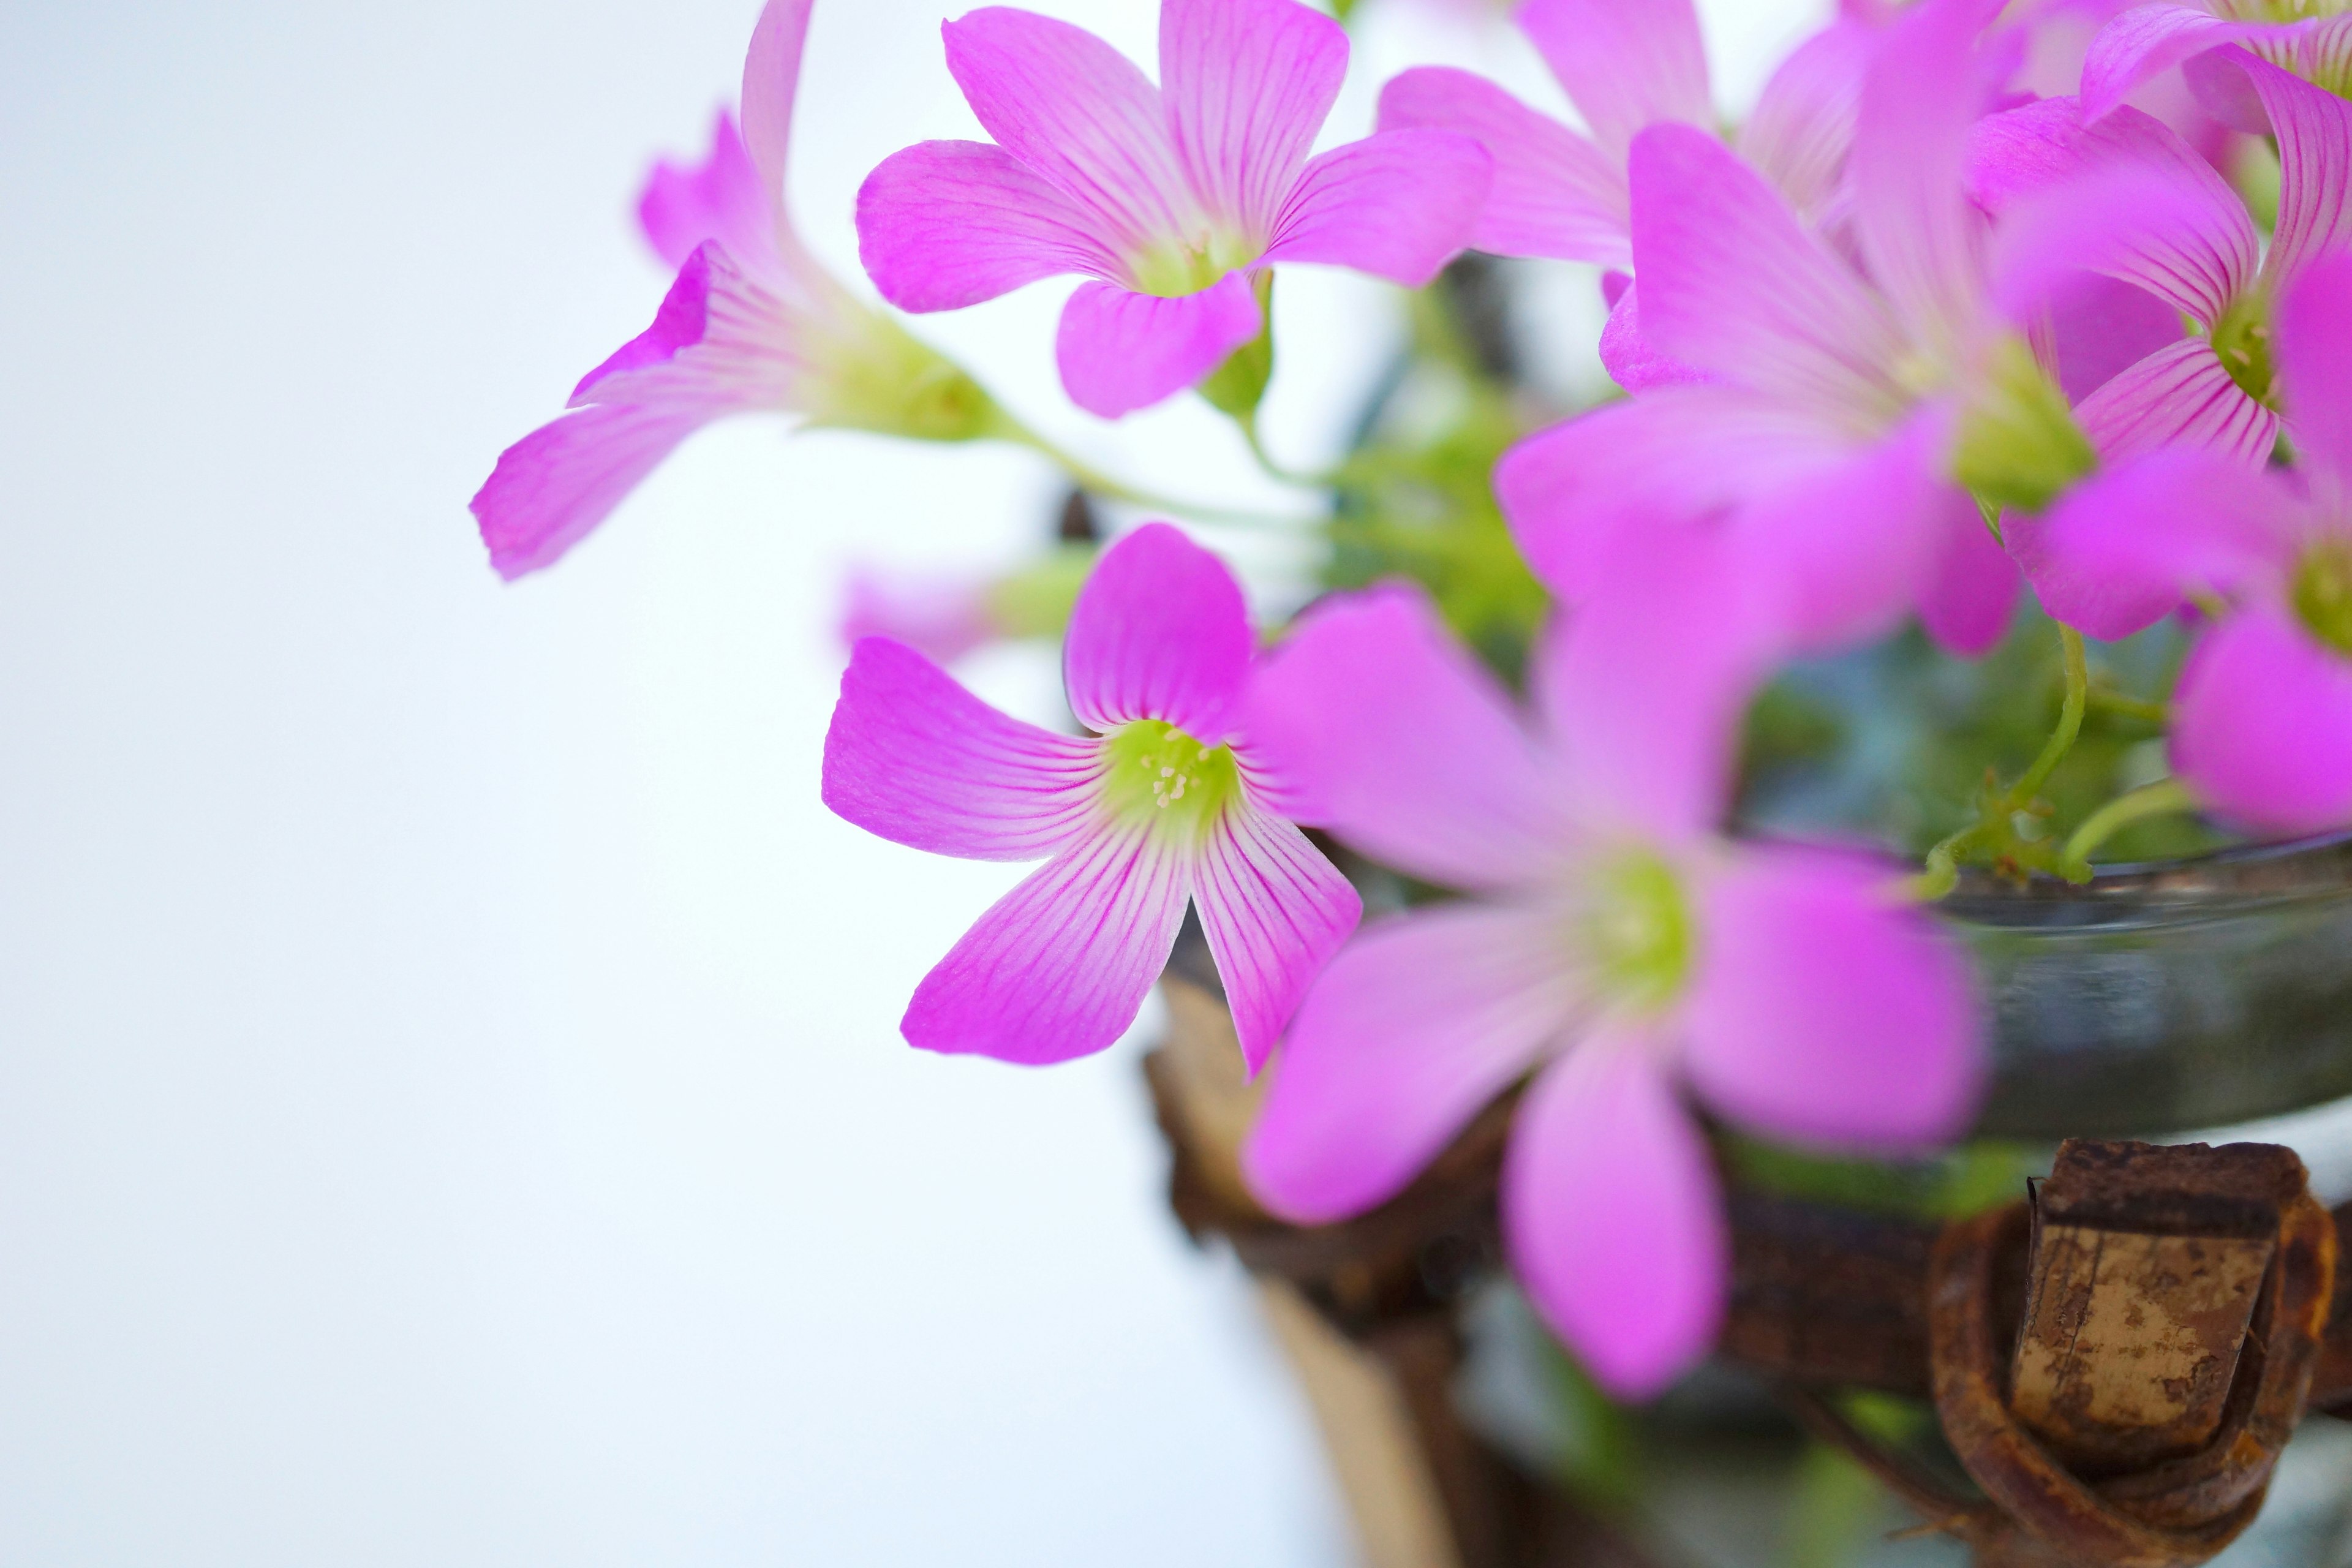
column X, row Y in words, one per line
column 2313, row 128
column 1247, row 84
column 1632, row 361
column 1613, row 1218
column 1645, row 684
column 1399, row 204
column 942, row 225
column 771, row 78
column 2128, row 546
column 1159, row 631
column 2180, row 395
column 1555, row 194
column 1080, row 113
column 720, row 199
column 2098, row 328
column 2315, row 324
column 1626, row 64
column 1825, row 1010
column 1418, row 1024
column 1274, row 910
column 550, row 488
column 913, row 757
column 2263, row 724
column 2126, row 198
column 2142, row 42
column 1802, row 126
column 1732, row 284
column 1059, row 966
column 1918, row 235
column 1120, row 352
column 1386, row 732
column 1971, row 589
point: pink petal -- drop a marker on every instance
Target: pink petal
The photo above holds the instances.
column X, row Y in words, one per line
column 2263, row 724
column 2126, row 198
column 1645, row 684
column 1387, row 733
column 556, row 484
column 1059, row 966
column 1275, row 911
column 1626, row 64
column 1825, row 1010
column 1612, row 1219
column 2100, row 327
column 1555, row 194
column 1568, row 489
column 1972, row 588
column 682, row 322
column 913, row 757
column 1120, row 352
column 1080, row 114
column 721, row 199
column 720, row 342
column 1399, row 204
column 772, row 77
column 942, row 225
column 2313, row 327
column 1732, row 284
column 1247, row 84
column 1159, row 631
column 2314, row 128
column 1919, row 237
column 1852, row 543
column 1421, row 1022
column 2182, row 395
column 939, row 617
column 1802, row 126
column 1628, row 356
column 2128, row 546
column 2142, row 42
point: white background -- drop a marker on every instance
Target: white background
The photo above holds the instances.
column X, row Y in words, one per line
column 450, row 1104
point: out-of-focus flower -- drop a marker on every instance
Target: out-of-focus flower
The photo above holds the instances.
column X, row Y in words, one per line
column 1843, row 401
column 1613, row 946
column 1173, row 200
column 751, row 322
column 1627, row 65
column 944, row 617
column 2310, row 38
column 2262, row 719
column 2128, row 199
column 1163, row 802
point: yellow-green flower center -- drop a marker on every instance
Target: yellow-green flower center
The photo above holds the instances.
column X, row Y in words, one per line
column 1156, row 774
column 2241, row 340
column 1638, row 930
column 2276, row 10
column 2322, row 594
column 1172, row 268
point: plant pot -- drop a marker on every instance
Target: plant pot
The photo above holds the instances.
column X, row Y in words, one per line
column 2161, row 1001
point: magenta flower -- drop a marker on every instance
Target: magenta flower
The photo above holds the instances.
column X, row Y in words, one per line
column 1173, row 200
column 1162, row 804
column 2128, row 199
column 1839, row 390
column 2262, row 728
column 2311, row 39
column 751, row 322
column 1613, row 946
column 1627, row 65
column 944, row 615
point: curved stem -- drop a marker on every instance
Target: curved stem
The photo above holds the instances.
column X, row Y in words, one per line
column 1943, row 869
column 1272, row 470
column 2070, row 723
column 1997, row 809
column 1094, row 480
column 2156, row 713
column 2161, row 798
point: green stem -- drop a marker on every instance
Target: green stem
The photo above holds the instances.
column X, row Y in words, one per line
column 2161, row 798
column 2070, row 723
column 2156, row 713
column 1943, row 869
column 1272, row 470
column 1094, row 480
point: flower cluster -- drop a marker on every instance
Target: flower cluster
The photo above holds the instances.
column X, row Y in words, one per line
column 1978, row 305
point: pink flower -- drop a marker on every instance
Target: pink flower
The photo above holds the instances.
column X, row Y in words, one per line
column 2311, row 39
column 1163, row 802
column 2263, row 718
column 1613, row 945
column 751, row 322
column 1172, row 199
column 944, row 616
column 1841, row 392
column 2129, row 200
